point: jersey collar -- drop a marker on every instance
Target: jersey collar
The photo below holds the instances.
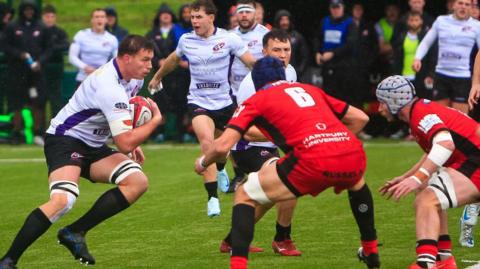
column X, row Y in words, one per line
column 115, row 64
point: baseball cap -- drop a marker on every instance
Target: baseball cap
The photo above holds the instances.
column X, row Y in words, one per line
column 336, row 3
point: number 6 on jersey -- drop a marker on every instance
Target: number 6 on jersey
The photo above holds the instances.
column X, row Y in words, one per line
column 302, row 98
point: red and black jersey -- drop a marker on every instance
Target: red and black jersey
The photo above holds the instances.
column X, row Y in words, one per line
column 298, row 117
column 305, row 123
column 427, row 118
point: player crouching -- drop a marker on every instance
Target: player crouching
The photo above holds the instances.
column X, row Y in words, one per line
column 75, row 147
column 316, row 132
column 448, row 174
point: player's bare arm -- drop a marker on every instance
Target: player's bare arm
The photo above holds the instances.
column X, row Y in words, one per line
column 218, row 150
column 442, row 149
column 383, row 190
column 168, row 66
column 355, row 119
column 248, row 59
column 127, row 141
column 254, row 135
column 475, row 90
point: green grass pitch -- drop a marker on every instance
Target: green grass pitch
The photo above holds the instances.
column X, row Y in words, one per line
column 168, row 227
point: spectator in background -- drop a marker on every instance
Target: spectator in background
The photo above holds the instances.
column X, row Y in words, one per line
column 92, row 47
column 232, row 18
column 6, row 15
column 475, row 12
column 259, row 15
column 113, row 26
column 26, row 48
column 333, row 52
column 416, row 6
column 54, row 67
column 456, row 35
column 300, row 51
column 184, row 24
column 404, row 54
column 172, row 100
column 384, row 28
column 364, row 52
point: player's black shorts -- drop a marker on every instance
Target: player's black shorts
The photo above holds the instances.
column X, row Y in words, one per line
column 252, row 159
column 455, row 89
column 65, row 150
column 220, row 117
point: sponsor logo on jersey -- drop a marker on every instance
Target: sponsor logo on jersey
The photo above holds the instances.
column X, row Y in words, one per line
column 252, row 43
column 191, row 48
column 101, row 132
column 467, row 28
column 219, row 46
column 427, row 123
column 315, row 139
column 426, row 101
column 121, row 105
column 208, row 85
column 128, row 122
column 238, row 111
column 321, row 126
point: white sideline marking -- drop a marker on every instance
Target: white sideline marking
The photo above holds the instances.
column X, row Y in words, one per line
column 22, row 160
column 475, row 266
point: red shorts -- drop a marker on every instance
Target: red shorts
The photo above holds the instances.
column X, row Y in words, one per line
column 313, row 175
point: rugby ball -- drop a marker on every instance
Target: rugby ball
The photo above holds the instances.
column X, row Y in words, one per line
column 140, row 110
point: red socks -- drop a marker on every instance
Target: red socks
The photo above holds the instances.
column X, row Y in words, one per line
column 370, row 247
column 238, row 262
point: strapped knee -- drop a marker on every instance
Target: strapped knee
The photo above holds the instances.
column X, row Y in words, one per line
column 442, row 185
column 123, row 170
column 67, row 188
column 254, row 190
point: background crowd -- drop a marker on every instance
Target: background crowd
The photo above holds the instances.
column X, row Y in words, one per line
column 347, row 64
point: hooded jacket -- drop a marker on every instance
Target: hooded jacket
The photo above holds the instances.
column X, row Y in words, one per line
column 119, row 32
column 23, row 35
column 164, row 44
column 300, row 52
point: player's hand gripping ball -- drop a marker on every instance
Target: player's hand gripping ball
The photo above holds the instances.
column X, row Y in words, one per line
column 141, row 110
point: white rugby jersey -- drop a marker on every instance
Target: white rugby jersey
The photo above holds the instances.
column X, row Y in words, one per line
column 93, row 49
column 101, row 99
column 456, row 39
column 209, row 61
column 253, row 40
column 247, row 89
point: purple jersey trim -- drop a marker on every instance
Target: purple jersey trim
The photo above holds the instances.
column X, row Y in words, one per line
column 74, row 120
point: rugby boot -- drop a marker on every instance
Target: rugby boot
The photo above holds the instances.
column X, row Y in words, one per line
column 467, row 221
column 416, row 266
column 223, row 180
column 7, row 263
column 75, row 242
column 447, row 264
column 285, row 248
column 226, row 248
column 213, row 207
column 372, row 260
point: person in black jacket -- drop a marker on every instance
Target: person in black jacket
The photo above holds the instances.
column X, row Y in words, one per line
column 300, row 51
column 172, row 100
column 333, row 51
column 6, row 15
column 112, row 24
column 364, row 52
column 26, row 47
column 54, row 67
